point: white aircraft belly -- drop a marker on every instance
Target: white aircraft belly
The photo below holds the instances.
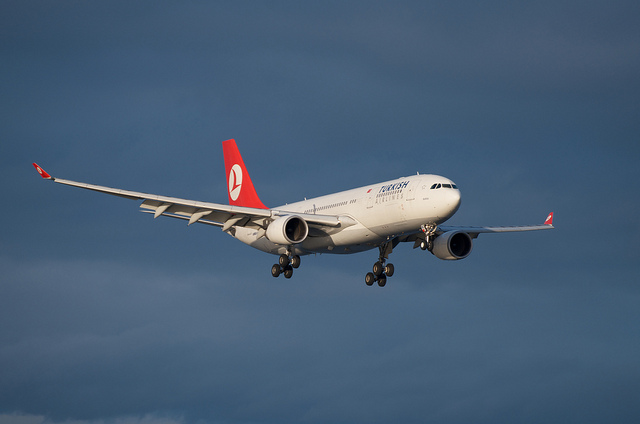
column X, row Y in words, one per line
column 352, row 239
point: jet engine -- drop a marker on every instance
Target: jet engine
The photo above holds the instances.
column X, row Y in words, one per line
column 452, row 245
column 287, row 230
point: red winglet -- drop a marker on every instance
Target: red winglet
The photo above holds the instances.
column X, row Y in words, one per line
column 241, row 191
column 549, row 220
column 42, row 172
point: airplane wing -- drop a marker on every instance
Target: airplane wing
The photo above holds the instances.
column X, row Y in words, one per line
column 219, row 215
column 474, row 231
column 418, row 238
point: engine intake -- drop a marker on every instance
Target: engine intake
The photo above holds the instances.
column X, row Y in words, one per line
column 290, row 229
column 452, row 245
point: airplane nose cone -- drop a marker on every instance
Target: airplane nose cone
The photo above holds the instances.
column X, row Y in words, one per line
column 453, row 201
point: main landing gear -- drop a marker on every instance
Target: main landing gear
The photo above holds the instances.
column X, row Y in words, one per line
column 285, row 265
column 380, row 270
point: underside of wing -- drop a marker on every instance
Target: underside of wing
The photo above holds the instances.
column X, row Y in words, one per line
column 205, row 213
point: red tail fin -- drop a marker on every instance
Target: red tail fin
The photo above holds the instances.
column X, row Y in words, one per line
column 241, row 191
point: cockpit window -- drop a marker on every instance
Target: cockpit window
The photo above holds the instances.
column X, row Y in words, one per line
column 442, row 185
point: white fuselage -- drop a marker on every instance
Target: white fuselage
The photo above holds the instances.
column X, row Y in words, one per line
column 377, row 213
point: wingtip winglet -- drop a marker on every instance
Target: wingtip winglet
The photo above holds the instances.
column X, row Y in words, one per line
column 549, row 220
column 42, row 172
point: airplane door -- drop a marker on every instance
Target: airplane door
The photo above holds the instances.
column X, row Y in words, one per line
column 407, row 201
column 411, row 190
column 369, row 201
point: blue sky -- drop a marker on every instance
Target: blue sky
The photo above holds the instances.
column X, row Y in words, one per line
column 109, row 316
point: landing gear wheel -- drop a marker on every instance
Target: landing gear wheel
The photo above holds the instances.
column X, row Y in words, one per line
column 295, row 261
column 369, row 279
column 423, row 245
column 378, row 269
column 288, row 272
column 283, row 260
column 382, row 280
column 275, row 270
column 388, row 270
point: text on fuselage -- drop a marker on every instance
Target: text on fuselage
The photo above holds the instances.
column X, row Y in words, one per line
column 393, row 187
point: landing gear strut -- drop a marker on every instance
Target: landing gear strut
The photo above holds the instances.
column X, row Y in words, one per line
column 286, row 264
column 380, row 270
column 429, row 231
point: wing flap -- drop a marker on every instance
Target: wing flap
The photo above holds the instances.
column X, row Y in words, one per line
column 186, row 218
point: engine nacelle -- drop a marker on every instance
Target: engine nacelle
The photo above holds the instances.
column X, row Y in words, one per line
column 452, row 245
column 288, row 230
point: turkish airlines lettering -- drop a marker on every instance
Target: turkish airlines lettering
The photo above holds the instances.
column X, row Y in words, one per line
column 409, row 209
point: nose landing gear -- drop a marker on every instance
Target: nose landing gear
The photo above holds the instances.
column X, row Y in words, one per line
column 429, row 231
column 286, row 264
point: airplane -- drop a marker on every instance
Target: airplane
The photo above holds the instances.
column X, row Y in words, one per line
column 408, row 209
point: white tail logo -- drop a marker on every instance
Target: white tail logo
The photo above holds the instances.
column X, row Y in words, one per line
column 235, row 181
